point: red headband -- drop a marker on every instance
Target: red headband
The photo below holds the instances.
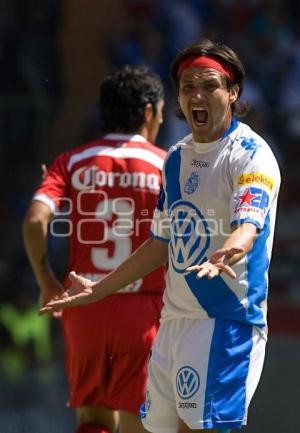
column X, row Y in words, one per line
column 206, row 62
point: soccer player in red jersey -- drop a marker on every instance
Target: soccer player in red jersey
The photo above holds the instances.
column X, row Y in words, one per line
column 109, row 187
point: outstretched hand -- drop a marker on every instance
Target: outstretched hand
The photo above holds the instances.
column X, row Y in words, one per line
column 51, row 291
column 80, row 293
column 217, row 263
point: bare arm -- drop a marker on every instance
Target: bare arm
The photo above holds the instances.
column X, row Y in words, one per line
column 35, row 230
column 149, row 256
column 233, row 250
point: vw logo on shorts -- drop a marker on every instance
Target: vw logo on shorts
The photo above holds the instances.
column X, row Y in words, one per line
column 190, row 236
column 187, row 382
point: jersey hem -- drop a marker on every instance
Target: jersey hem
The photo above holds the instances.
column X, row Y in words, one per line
column 153, row 429
column 46, row 200
column 246, row 220
column 233, row 424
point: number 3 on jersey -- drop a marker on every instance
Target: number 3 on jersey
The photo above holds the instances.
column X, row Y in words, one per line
column 118, row 218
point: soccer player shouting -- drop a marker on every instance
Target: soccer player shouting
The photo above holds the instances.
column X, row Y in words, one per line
column 215, row 222
column 111, row 187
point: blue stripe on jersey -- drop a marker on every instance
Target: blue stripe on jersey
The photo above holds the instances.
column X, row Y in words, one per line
column 216, row 297
column 219, row 301
column 172, row 171
column 228, row 366
column 161, row 199
column 246, row 220
column 233, row 125
column 257, row 266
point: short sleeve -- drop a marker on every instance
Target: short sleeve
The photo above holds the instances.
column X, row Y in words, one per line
column 160, row 226
column 53, row 190
column 256, row 182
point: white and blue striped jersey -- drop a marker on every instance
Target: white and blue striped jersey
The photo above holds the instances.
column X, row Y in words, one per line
column 207, row 189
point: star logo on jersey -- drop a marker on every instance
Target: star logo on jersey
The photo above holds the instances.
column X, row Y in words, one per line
column 187, row 382
column 190, row 235
column 192, row 183
column 252, row 198
column 246, row 198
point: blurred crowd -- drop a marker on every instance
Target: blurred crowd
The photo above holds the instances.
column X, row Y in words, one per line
column 266, row 34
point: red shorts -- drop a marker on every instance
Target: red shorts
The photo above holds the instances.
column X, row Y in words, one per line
column 107, row 350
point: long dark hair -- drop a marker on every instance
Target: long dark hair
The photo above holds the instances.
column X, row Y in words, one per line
column 207, row 47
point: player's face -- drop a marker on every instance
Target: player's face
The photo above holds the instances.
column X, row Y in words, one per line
column 206, row 102
column 155, row 122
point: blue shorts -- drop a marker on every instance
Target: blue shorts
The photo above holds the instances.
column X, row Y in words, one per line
column 203, row 372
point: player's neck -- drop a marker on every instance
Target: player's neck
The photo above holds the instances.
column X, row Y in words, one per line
column 144, row 132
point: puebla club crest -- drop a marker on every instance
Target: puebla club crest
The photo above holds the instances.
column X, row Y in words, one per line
column 192, row 183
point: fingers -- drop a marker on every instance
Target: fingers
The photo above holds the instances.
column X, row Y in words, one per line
column 55, row 306
column 205, row 270
column 73, row 276
column 227, row 270
column 78, row 280
column 66, row 301
column 208, row 273
column 57, row 314
column 79, row 293
column 225, row 253
column 216, row 264
column 193, row 268
column 215, row 271
column 48, row 309
column 211, row 270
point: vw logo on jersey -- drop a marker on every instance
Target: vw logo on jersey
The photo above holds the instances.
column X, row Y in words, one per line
column 192, row 183
column 190, row 237
column 187, row 382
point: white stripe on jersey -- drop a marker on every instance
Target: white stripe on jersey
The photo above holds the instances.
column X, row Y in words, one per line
column 45, row 199
column 118, row 152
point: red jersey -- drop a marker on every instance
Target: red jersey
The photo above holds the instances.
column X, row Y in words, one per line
column 107, row 189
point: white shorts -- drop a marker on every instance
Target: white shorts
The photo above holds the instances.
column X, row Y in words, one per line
column 203, row 372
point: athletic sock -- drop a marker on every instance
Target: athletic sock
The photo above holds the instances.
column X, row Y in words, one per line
column 91, row 428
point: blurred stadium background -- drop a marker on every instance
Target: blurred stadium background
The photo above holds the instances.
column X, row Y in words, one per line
column 53, row 55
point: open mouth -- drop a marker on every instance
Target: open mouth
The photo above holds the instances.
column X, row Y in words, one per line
column 200, row 116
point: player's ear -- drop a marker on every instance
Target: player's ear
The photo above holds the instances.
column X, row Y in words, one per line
column 148, row 113
column 233, row 93
column 179, row 102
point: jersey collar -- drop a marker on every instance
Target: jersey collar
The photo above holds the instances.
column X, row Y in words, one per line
column 205, row 147
column 125, row 137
